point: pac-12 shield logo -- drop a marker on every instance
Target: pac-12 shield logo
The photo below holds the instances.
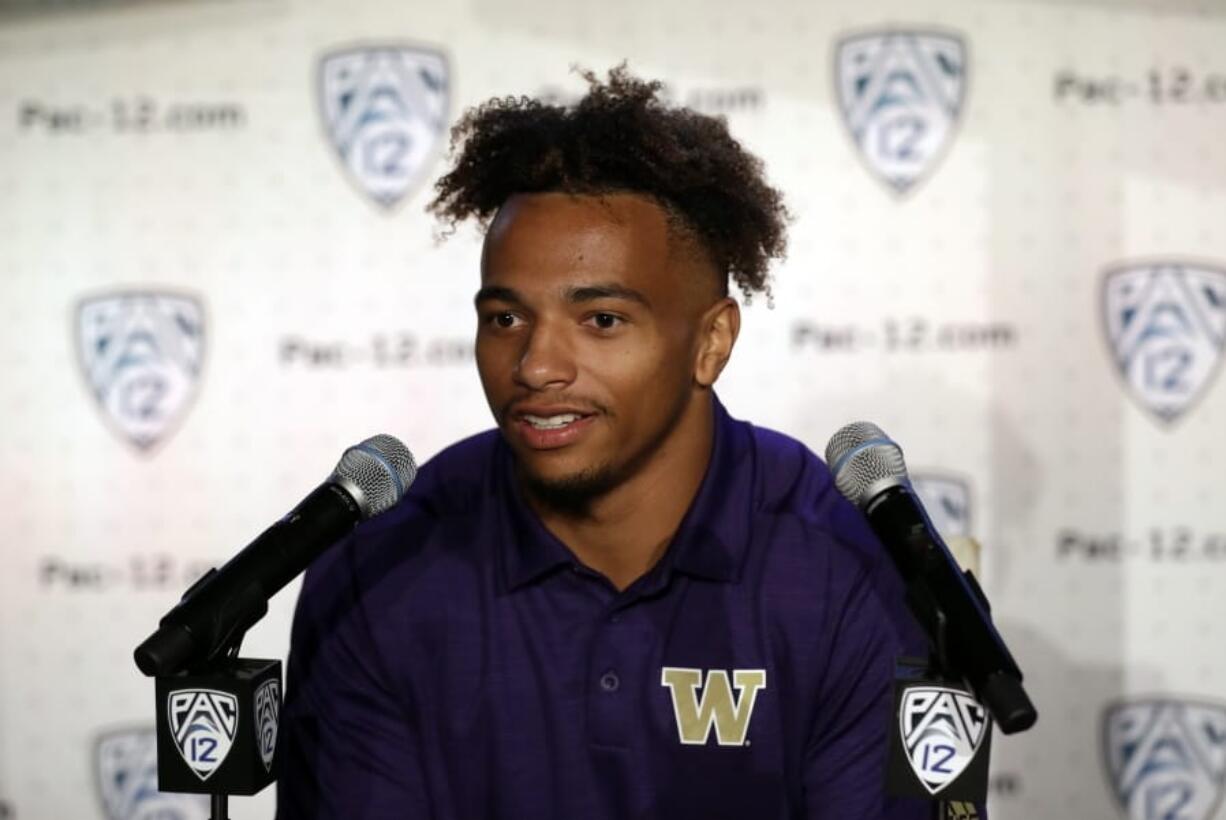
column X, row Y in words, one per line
column 141, row 353
column 1165, row 323
column 126, row 765
column 947, row 500
column 942, row 729
column 203, row 723
column 901, row 95
column 1166, row 758
column 385, row 110
column 267, row 718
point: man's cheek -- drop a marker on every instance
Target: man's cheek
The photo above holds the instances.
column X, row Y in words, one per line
column 487, row 360
column 490, row 384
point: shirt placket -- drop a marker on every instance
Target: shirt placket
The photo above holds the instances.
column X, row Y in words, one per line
column 618, row 677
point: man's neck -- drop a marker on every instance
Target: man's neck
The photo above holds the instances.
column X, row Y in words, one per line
column 624, row 532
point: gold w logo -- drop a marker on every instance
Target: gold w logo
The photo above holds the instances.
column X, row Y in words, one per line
column 695, row 716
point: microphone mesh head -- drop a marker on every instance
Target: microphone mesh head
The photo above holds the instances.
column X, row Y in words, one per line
column 865, row 461
column 381, row 468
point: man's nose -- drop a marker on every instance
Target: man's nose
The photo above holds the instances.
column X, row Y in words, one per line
column 546, row 360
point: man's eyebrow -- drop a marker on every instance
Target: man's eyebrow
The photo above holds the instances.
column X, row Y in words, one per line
column 575, row 295
column 496, row 293
column 590, row 293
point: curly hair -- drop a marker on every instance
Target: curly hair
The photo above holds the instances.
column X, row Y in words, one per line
column 621, row 137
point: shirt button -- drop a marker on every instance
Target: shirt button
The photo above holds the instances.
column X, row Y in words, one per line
column 610, row 682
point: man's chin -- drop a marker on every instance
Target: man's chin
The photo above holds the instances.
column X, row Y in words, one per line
column 570, row 492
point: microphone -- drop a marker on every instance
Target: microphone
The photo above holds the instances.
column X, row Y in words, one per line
column 869, row 470
column 223, row 604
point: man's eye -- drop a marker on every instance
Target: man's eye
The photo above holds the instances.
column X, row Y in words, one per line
column 503, row 319
column 605, row 321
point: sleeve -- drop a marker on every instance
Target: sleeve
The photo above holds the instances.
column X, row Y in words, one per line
column 847, row 752
column 347, row 742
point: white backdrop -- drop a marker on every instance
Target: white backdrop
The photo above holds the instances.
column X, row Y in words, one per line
column 1009, row 251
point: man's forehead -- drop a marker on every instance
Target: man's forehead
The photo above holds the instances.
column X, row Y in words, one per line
column 555, row 231
column 623, row 227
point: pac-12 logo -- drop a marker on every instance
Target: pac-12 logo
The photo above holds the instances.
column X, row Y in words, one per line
column 267, row 718
column 141, row 353
column 203, row 723
column 947, row 499
column 126, row 766
column 716, row 708
column 385, row 109
column 1166, row 758
column 942, row 729
column 1165, row 324
column 901, row 94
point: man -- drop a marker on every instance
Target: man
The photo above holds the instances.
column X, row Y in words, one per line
column 621, row 603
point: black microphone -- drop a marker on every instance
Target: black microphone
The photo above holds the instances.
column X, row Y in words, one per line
column 218, row 609
column 869, row 470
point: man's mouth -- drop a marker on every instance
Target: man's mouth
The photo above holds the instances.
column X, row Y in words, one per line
column 548, row 428
column 551, row 422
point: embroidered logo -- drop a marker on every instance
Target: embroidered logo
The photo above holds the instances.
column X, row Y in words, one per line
column 716, row 707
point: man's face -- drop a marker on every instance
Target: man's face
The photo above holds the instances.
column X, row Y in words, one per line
column 589, row 316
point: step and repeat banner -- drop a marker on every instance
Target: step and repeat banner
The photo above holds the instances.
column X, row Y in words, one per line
column 1009, row 251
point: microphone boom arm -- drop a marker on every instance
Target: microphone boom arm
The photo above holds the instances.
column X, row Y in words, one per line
column 952, row 609
column 214, row 614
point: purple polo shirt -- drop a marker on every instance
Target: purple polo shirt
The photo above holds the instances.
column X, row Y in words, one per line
column 452, row 659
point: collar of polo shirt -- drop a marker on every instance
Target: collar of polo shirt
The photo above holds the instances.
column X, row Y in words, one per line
column 710, row 543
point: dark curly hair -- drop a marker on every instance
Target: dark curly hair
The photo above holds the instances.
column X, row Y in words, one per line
column 621, row 137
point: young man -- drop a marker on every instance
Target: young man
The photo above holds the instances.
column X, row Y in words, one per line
column 621, row 603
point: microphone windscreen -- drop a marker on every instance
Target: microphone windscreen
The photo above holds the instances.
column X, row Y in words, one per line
column 376, row 472
column 864, row 461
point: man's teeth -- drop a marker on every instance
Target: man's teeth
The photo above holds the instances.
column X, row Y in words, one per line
column 552, row 422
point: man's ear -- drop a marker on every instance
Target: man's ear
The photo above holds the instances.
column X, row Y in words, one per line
column 719, row 327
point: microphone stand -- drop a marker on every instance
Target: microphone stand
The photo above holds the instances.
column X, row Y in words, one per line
column 943, row 670
column 217, row 720
column 217, row 713
column 953, row 610
column 936, row 625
